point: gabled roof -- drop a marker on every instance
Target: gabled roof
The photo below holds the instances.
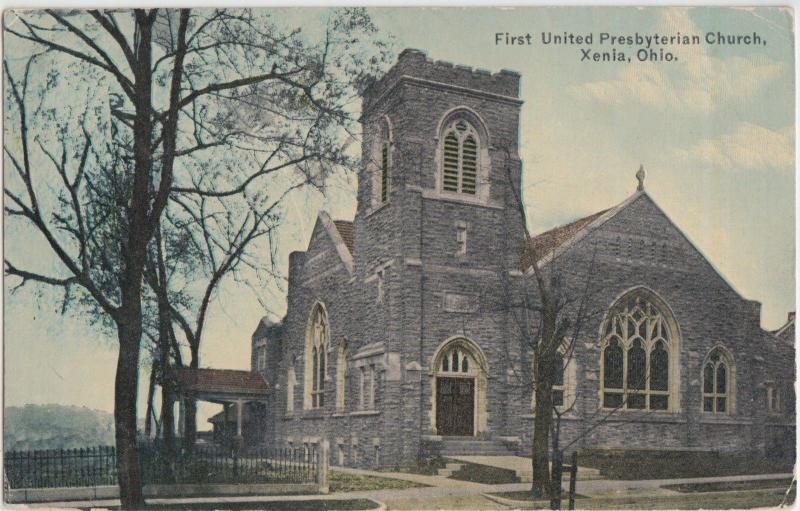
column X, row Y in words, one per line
column 546, row 242
column 786, row 332
column 345, row 229
column 559, row 239
column 224, row 381
column 341, row 234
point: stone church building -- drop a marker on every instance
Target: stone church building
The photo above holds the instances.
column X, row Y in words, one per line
column 405, row 335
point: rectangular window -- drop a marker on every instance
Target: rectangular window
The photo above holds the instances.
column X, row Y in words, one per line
column 371, row 388
column 461, row 239
column 773, row 398
column 381, row 275
column 362, row 377
column 262, row 358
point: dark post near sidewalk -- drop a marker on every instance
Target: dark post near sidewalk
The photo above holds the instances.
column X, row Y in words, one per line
column 555, row 481
column 573, row 477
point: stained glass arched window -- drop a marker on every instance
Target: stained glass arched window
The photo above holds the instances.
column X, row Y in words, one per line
column 317, row 342
column 635, row 361
column 716, row 382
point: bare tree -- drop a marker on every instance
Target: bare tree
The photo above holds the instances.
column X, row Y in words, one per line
column 203, row 244
column 178, row 83
column 547, row 310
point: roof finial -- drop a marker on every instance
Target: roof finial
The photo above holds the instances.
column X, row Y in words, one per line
column 640, row 177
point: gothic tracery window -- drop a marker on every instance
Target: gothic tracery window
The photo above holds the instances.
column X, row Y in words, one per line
column 717, row 382
column 636, row 356
column 455, row 360
column 316, row 358
column 460, row 150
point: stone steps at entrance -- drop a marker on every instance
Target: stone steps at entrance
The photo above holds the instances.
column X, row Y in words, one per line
column 522, row 466
column 470, row 445
column 449, row 469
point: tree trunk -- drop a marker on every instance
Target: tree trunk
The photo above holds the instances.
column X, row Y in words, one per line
column 540, row 458
column 190, row 426
column 125, row 385
column 151, row 390
column 167, row 407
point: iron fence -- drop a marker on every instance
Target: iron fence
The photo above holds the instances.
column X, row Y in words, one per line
column 97, row 466
column 210, row 464
column 60, row 468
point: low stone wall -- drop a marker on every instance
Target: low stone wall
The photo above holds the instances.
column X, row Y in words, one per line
column 28, row 495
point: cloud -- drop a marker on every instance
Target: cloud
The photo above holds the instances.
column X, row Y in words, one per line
column 696, row 83
column 748, row 147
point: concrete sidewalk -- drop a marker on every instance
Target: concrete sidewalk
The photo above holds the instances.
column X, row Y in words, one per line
column 429, row 480
column 595, row 488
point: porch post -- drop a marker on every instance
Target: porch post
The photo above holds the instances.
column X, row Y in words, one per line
column 181, row 416
column 239, row 418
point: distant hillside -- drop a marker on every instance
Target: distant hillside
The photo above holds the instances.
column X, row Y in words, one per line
column 56, row 427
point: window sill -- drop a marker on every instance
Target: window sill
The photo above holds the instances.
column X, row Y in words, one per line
column 313, row 415
column 570, row 415
column 460, row 198
column 339, row 414
column 721, row 418
column 627, row 415
column 365, row 413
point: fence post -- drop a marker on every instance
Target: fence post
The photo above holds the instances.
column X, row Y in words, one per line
column 322, row 465
column 573, row 477
column 555, row 481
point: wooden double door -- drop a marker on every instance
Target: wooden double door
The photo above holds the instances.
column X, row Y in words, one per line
column 455, row 406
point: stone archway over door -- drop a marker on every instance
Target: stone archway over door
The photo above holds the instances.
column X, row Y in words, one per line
column 459, row 389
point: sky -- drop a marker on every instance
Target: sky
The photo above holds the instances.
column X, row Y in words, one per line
column 714, row 130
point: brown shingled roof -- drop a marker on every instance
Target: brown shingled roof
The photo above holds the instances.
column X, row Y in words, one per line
column 345, row 229
column 546, row 242
column 229, row 381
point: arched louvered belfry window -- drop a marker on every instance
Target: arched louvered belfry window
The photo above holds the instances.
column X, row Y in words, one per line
column 717, row 382
column 637, row 342
column 460, row 157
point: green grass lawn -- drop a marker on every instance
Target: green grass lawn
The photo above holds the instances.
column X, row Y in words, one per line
column 340, row 482
column 484, row 474
column 630, row 464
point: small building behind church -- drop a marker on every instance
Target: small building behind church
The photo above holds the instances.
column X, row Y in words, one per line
column 402, row 337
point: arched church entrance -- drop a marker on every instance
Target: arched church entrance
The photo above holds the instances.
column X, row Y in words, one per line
column 459, row 387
